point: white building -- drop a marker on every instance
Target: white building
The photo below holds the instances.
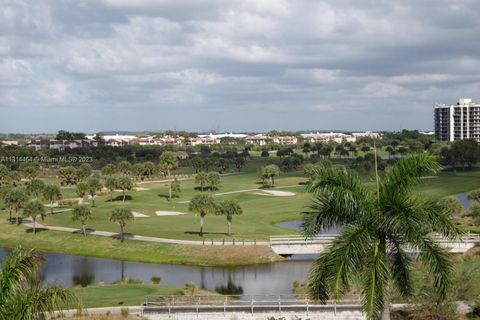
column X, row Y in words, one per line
column 457, row 121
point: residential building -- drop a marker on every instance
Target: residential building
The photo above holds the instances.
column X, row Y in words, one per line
column 4, row 143
column 457, row 121
column 258, row 139
column 326, row 137
column 285, row 139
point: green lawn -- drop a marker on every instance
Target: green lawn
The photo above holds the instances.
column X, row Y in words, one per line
column 260, row 212
column 122, row 294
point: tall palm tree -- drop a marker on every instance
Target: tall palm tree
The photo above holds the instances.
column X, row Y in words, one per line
column 15, row 199
column 111, row 183
column 82, row 213
column 168, row 162
column 124, row 183
column 201, row 178
column 121, row 216
column 35, row 187
column 379, row 224
column 3, row 175
column 202, row 204
column 52, row 193
column 93, row 185
column 81, row 190
column 229, row 208
column 22, row 296
column 33, row 209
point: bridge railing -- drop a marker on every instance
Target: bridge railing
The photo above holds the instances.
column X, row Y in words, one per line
column 328, row 238
column 242, row 303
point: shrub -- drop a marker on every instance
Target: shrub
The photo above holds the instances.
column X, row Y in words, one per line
column 156, row 280
column 124, row 312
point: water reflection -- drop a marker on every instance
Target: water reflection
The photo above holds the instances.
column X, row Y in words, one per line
column 70, row 270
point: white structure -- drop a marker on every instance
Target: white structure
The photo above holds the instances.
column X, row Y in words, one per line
column 326, row 137
column 285, row 139
column 224, row 135
column 457, row 121
column 258, row 139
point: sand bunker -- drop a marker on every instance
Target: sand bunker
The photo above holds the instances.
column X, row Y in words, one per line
column 140, row 189
column 277, row 193
column 139, row 215
column 168, row 213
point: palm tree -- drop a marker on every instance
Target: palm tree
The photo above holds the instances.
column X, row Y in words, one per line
column 168, row 162
column 52, row 193
column 378, row 225
column 33, row 209
column 201, row 178
column 21, row 294
column 82, row 213
column 84, row 171
column 124, row 167
column 109, row 169
column 202, row 204
column 213, row 180
column 14, row 199
column 111, row 184
column 124, row 183
column 229, row 208
column 270, row 172
column 121, row 216
column 93, row 185
column 81, row 190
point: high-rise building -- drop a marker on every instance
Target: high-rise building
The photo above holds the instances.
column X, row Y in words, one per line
column 457, row 121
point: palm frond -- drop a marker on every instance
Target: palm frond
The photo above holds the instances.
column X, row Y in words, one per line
column 375, row 281
column 340, row 199
column 437, row 261
column 331, row 273
column 400, row 263
column 19, row 266
column 407, row 172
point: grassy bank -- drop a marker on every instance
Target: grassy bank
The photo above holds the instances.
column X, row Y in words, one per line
column 101, row 247
column 118, row 295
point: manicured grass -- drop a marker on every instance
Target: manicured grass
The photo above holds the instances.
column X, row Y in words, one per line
column 260, row 212
column 122, row 294
column 61, row 242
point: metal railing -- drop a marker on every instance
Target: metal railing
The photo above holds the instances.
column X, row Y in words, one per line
column 239, row 303
column 328, row 238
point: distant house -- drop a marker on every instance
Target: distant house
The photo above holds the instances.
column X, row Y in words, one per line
column 285, row 140
column 182, row 155
column 326, row 137
column 61, row 145
column 258, row 139
column 4, row 143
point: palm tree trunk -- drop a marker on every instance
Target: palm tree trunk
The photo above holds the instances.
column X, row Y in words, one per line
column 16, row 216
column 84, row 229
column 51, row 207
column 121, row 233
column 229, row 228
column 34, row 225
column 202, row 220
column 93, row 200
column 10, row 216
column 123, row 195
column 386, row 311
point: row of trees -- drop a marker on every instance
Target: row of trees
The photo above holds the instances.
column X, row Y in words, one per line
column 210, row 179
column 204, row 204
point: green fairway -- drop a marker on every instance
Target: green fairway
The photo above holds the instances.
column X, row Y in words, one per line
column 261, row 211
column 122, row 294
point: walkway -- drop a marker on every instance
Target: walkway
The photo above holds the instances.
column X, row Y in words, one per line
column 29, row 224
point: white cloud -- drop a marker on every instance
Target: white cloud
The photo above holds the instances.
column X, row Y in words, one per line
column 14, row 72
column 55, row 92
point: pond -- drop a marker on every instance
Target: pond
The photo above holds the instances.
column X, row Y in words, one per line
column 277, row 278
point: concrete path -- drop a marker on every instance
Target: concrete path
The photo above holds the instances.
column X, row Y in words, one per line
column 29, row 224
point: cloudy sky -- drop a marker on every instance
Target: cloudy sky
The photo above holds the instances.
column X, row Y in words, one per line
column 234, row 65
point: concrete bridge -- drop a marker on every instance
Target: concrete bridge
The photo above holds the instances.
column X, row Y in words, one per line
column 248, row 307
column 288, row 245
